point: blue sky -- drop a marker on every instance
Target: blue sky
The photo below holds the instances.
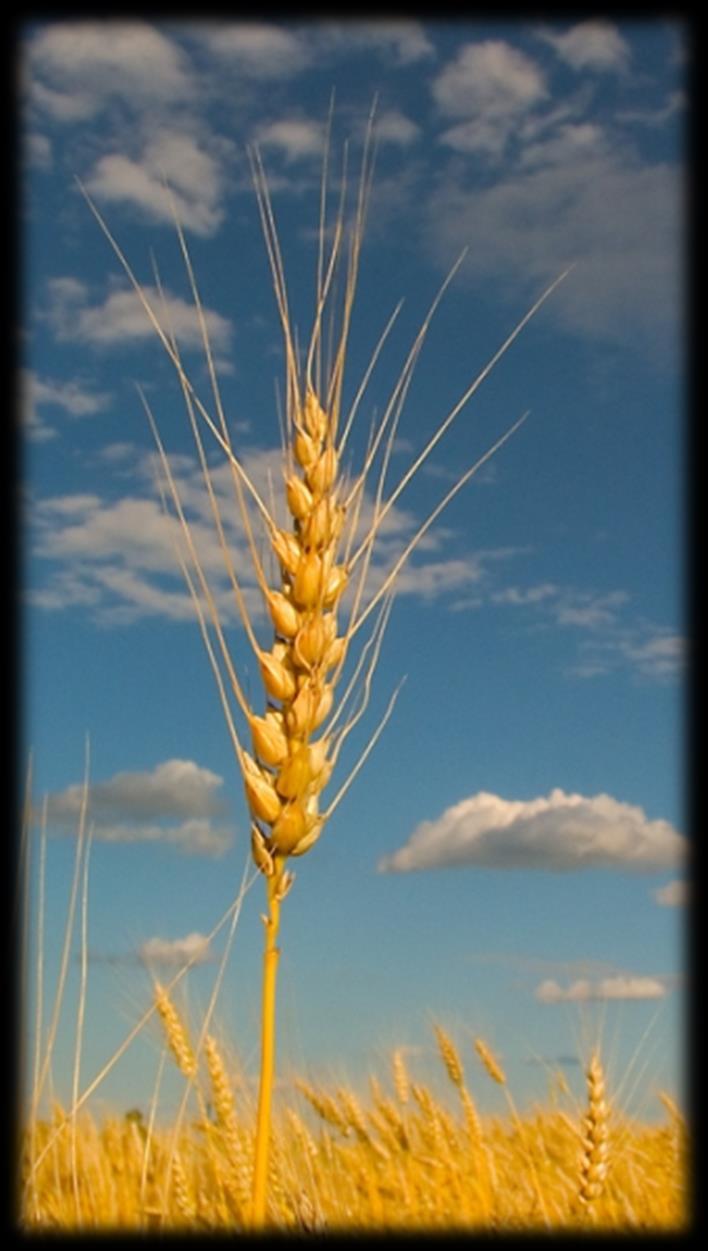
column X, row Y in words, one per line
column 511, row 860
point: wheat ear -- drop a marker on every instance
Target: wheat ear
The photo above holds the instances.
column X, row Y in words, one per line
column 175, row 1032
column 593, row 1165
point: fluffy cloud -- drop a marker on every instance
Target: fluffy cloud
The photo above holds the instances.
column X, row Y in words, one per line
column 294, row 137
column 662, row 655
column 672, row 895
column 653, row 653
column 121, row 318
column 73, row 397
column 619, row 220
column 177, row 951
column 403, row 39
column 558, row 832
column 188, row 166
column 175, row 803
column 176, row 788
column 394, row 127
column 605, row 988
column 591, row 45
column 38, row 151
column 488, row 78
column 257, row 50
column 76, row 68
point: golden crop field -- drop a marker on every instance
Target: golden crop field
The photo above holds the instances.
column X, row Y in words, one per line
column 398, row 1159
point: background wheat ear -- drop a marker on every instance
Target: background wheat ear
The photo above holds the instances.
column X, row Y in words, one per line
column 595, row 1155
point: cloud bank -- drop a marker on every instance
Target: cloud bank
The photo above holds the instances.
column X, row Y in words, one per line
column 557, row 832
column 621, row 987
column 672, row 895
column 174, row 803
column 177, row 951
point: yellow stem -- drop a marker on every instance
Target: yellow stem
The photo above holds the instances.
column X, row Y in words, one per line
column 265, row 1090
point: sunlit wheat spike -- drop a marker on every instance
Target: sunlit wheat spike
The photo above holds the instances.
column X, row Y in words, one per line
column 672, row 1108
column 221, row 1088
column 490, row 1062
column 175, row 1032
column 474, row 1125
column 401, row 1080
column 594, row 1162
column 183, row 1193
column 450, row 1056
column 324, row 1105
column 353, row 1113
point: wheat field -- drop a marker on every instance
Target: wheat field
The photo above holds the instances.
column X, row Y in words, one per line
column 399, row 1158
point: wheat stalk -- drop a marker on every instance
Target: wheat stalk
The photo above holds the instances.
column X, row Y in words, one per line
column 295, row 738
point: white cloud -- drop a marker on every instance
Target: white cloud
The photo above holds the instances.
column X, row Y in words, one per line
column 77, row 68
column 191, row 172
column 115, row 453
column 403, row 39
column 621, row 987
column 587, row 609
column 617, row 219
column 175, row 803
column 392, row 126
column 257, row 50
column 483, row 135
column 491, row 86
column 73, row 397
column 175, row 788
column 591, row 45
column 119, row 557
column 526, row 594
column 673, row 894
column 663, row 655
column 676, row 101
column 654, row 653
column 38, row 151
column 295, row 137
column 558, row 832
column 121, row 317
column 176, row 951
column 572, row 141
